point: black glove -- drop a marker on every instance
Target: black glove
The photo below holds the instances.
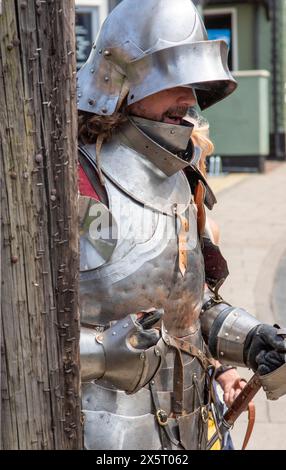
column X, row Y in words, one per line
column 264, row 349
column 146, row 336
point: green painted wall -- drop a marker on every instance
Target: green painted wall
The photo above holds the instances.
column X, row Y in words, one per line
column 245, row 34
column 283, row 58
column 259, row 56
column 264, row 47
column 239, row 125
column 281, row 69
column 264, row 43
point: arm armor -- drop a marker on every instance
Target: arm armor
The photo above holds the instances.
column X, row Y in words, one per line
column 274, row 383
column 110, row 355
column 233, row 335
column 225, row 329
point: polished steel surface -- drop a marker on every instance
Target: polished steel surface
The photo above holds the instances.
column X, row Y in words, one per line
column 173, row 137
column 143, row 269
column 274, row 383
column 115, row 420
column 98, row 233
column 148, row 208
column 137, row 54
column 126, row 162
column 92, row 360
column 136, row 138
column 232, row 336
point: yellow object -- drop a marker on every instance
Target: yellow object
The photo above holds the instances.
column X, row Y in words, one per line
column 211, row 431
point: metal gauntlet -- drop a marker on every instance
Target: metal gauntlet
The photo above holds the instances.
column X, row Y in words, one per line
column 226, row 328
column 265, row 353
column 274, row 384
column 116, row 356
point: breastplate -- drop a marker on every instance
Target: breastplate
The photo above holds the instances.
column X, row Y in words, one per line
column 143, row 271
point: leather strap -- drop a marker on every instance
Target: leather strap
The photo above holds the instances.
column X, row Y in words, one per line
column 251, row 419
column 199, row 198
column 178, row 388
column 183, row 253
column 192, row 350
column 166, row 434
column 182, row 241
column 250, row 426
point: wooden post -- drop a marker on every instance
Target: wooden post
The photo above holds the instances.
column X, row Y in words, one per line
column 39, row 243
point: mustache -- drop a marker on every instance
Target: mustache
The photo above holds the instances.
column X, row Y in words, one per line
column 178, row 111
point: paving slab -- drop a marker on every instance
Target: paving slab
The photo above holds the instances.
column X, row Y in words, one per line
column 251, row 213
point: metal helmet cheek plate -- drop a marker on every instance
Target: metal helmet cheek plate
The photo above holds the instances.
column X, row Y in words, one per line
column 150, row 46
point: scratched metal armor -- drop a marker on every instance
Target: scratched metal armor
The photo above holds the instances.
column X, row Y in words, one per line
column 143, row 272
column 140, row 248
column 153, row 257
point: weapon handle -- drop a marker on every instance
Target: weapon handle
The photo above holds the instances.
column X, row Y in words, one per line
column 239, row 405
column 241, row 402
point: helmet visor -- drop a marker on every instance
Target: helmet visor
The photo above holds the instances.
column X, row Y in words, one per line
column 202, row 65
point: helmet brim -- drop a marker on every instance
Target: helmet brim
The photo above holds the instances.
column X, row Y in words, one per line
column 202, row 65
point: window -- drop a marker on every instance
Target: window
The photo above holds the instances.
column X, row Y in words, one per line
column 222, row 24
column 89, row 16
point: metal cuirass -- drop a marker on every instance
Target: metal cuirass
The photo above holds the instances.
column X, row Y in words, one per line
column 149, row 210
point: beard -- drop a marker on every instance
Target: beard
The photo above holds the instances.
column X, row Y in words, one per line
column 174, row 115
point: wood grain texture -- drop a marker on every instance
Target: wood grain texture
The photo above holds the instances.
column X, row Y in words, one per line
column 39, row 237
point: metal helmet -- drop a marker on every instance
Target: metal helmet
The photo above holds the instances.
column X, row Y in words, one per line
column 148, row 46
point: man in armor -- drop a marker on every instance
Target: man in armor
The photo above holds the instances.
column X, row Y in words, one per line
column 152, row 318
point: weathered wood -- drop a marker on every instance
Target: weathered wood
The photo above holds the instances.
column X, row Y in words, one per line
column 39, row 243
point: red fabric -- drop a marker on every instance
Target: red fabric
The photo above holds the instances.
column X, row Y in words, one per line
column 85, row 187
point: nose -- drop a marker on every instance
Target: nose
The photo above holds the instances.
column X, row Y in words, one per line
column 187, row 97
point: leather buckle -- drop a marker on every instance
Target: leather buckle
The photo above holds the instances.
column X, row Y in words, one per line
column 162, row 417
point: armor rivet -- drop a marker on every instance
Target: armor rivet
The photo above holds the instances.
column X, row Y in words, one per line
column 104, row 110
column 226, row 334
column 79, row 95
column 91, row 102
column 157, row 352
column 100, row 51
column 106, row 79
column 222, row 353
column 107, row 53
column 91, row 70
column 125, row 326
column 237, row 338
column 113, row 333
column 152, row 382
column 142, row 356
column 173, row 132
